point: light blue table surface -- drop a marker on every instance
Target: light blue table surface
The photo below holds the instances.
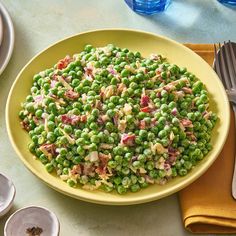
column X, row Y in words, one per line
column 40, row 23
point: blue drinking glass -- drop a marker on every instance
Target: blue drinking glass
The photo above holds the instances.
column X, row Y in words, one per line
column 148, row 7
column 229, row 2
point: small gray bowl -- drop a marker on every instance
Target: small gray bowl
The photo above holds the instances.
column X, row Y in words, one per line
column 7, row 194
column 32, row 219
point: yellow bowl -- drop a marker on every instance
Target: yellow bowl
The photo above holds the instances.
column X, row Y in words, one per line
column 146, row 43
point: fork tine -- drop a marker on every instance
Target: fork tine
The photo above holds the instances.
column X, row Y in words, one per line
column 223, row 69
column 233, row 56
column 217, row 66
column 230, row 63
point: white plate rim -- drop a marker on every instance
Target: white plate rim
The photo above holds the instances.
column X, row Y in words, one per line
column 8, row 24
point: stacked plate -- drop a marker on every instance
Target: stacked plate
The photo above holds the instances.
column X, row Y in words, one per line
column 6, row 38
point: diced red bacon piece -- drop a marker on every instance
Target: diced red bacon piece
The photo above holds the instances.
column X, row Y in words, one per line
column 144, row 100
column 128, row 139
column 187, row 90
column 88, row 169
column 142, row 124
column 101, row 170
column 50, row 148
column 191, row 135
column 25, row 125
column 73, row 119
column 76, row 170
column 88, row 71
column 71, row 94
column 103, row 159
column 186, row 123
column 63, row 63
column 145, row 109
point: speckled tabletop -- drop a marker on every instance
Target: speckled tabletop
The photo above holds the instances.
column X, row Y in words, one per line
column 40, row 23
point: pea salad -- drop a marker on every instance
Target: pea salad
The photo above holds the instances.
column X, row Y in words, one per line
column 108, row 118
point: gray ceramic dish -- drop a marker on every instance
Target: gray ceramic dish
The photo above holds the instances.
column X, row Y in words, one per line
column 7, row 194
column 32, row 219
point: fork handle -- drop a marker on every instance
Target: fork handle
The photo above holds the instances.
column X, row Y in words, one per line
column 234, row 173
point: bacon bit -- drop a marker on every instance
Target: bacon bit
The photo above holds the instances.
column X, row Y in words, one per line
column 128, row 139
column 88, row 71
column 149, row 179
column 104, row 158
column 158, row 71
column 142, row 124
column 187, row 90
column 191, row 136
column 48, row 150
column 76, row 170
column 63, row 63
column 167, row 166
column 36, row 120
column 101, row 170
column 145, row 109
column 174, row 111
column 25, row 125
column 144, row 100
column 88, row 169
column 70, row 119
column 186, row 123
column 171, row 159
column 71, row 94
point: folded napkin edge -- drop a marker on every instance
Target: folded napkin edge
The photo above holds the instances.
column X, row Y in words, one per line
column 209, row 212
column 205, row 224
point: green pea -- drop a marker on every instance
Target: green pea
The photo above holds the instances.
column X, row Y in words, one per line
column 121, row 189
column 49, row 167
column 71, row 182
column 125, row 73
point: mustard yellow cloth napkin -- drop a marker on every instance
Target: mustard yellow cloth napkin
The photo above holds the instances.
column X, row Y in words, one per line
column 207, row 205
